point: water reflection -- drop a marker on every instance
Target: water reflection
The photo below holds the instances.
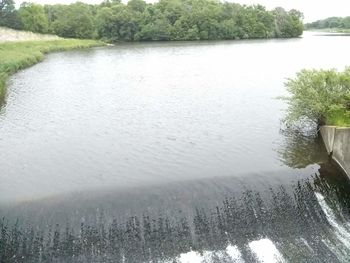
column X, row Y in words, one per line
column 299, row 149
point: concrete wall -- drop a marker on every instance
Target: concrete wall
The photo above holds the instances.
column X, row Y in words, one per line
column 337, row 141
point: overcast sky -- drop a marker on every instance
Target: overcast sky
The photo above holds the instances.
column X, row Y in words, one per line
column 312, row 9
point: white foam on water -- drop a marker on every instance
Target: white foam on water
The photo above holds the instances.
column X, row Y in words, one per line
column 231, row 253
column 337, row 250
column 191, row 257
column 303, row 240
column 266, row 251
column 234, row 254
column 208, row 255
column 340, row 231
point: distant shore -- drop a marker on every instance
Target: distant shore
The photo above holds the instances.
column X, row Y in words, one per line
column 329, row 31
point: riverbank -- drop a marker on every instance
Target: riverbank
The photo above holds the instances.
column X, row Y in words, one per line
column 19, row 55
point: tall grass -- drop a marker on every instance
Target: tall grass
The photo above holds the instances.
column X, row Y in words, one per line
column 18, row 55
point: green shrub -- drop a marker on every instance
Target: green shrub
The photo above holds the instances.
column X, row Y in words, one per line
column 322, row 96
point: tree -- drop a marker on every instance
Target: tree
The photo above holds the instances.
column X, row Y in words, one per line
column 109, row 3
column 164, row 20
column 117, row 23
column 288, row 24
column 295, row 21
column 33, row 18
column 137, row 5
column 74, row 21
column 157, row 30
column 8, row 14
column 105, row 23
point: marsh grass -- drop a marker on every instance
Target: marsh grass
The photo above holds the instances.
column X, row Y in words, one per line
column 19, row 55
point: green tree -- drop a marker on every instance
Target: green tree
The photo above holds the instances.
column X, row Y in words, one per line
column 295, row 21
column 33, row 18
column 288, row 24
column 193, row 20
column 157, row 30
column 105, row 23
column 137, row 5
column 117, row 23
column 8, row 14
column 330, row 23
column 74, row 21
column 109, row 3
column 165, row 20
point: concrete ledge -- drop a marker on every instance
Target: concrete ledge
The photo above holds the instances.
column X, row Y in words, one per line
column 337, row 142
column 328, row 133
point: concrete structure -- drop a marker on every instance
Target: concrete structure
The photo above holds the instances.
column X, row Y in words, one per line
column 337, row 141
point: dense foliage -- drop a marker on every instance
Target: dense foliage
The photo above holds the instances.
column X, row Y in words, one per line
column 331, row 22
column 8, row 14
column 33, row 17
column 322, row 96
column 164, row 20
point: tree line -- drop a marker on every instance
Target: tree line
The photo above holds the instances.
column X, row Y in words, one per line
column 165, row 20
column 330, row 22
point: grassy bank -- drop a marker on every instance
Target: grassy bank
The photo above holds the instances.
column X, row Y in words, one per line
column 340, row 118
column 19, row 55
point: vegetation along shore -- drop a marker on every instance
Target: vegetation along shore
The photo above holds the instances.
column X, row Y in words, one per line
column 113, row 21
column 137, row 20
column 320, row 96
column 331, row 24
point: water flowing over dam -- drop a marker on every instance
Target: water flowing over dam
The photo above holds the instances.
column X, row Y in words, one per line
column 169, row 152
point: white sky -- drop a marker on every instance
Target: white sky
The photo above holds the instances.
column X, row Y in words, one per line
column 312, row 9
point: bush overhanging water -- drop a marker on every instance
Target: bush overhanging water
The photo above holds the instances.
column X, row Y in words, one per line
column 322, row 96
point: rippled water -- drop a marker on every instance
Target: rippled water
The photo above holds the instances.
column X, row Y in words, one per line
column 167, row 152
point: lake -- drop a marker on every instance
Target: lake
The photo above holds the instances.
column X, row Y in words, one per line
column 163, row 152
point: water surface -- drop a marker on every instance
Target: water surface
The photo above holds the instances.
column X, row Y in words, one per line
column 170, row 151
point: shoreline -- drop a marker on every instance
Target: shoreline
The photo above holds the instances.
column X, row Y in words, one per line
column 23, row 53
column 19, row 55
